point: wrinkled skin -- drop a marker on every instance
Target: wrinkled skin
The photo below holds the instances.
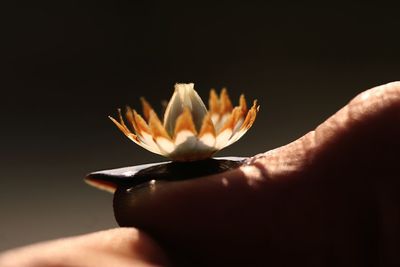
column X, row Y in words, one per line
column 331, row 197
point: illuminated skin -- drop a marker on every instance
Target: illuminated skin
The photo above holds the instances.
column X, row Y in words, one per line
column 330, row 197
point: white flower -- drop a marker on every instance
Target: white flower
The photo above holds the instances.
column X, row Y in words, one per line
column 189, row 132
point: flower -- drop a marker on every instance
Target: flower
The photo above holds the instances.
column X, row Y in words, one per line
column 189, row 131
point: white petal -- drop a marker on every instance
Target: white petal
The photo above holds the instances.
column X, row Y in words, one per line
column 186, row 137
column 237, row 132
column 223, row 138
column 165, row 145
column 208, row 140
column 141, row 142
column 184, row 95
column 221, row 121
column 147, row 139
column 138, row 139
column 215, row 118
column 185, row 141
column 238, row 125
column 188, row 147
column 236, row 136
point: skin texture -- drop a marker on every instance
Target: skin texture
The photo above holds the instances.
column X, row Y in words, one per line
column 115, row 247
column 330, row 198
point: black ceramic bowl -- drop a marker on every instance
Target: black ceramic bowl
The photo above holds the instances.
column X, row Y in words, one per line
column 130, row 182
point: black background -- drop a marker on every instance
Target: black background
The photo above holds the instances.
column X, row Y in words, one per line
column 67, row 65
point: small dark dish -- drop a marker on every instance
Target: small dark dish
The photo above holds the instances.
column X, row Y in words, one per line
column 127, row 182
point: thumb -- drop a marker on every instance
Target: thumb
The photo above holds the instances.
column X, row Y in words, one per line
column 328, row 194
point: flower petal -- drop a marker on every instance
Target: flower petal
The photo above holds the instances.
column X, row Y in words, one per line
column 242, row 103
column 207, row 132
column 188, row 146
column 144, row 132
column 251, row 116
column 223, row 138
column 129, row 116
column 146, row 108
column 247, row 123
column 184, row 96
column 240, row 112
column 185, row 122
column 160, row 135
column 226, row 104
column 185, row 132
column 226, row 131
column 121, row 125
column 225, row 108
column 185, row 136
column 214, row 106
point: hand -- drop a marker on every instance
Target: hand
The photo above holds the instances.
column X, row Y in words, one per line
column 331, row 197
column 121, row 247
